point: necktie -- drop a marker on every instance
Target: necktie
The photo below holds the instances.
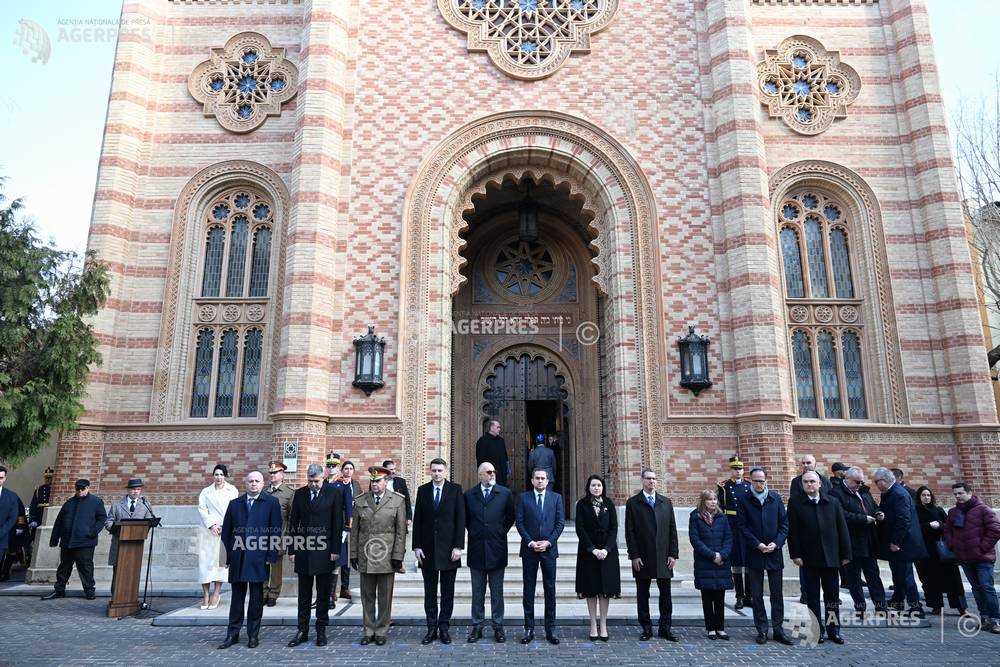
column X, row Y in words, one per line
column 437, row 497
column 486, row 493
column 864, row 508
column 377, row 499
column 249, row 505
column 312, row 497
column 538, row 496
column 131, row 507
column 651, row 500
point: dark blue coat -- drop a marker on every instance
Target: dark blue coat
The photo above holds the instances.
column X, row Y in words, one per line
column 534, row 527
column 488, row 523
column 79, row 522
column 9, row 504
column 901, row 526
column 706, row 541
column 247, row 539
column 763, row 524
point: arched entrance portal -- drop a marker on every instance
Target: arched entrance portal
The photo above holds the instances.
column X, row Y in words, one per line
column 516, row 355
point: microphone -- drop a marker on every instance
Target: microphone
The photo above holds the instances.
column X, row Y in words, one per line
column 156, row 519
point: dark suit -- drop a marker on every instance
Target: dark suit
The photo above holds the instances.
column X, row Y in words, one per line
column 817, row 533
column 864, row 545
column 536, row 525
column 437, row 529
column 9, row 504
column 902, row 528
column 398, row 484
column 494, row 450
column 310, row 521
column 246, row 536
column 488, row 521
column 75, row 531
column 651, row 534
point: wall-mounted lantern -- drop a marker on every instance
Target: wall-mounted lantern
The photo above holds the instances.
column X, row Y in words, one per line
column 694, row 361
column 369, row 352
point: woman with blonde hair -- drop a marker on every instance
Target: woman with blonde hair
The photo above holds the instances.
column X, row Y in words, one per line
column 712, row 541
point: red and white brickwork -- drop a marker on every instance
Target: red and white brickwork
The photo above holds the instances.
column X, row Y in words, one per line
column 393, row 125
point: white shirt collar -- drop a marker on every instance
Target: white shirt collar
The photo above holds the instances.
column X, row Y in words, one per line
column 438, row 486
column 649, row 496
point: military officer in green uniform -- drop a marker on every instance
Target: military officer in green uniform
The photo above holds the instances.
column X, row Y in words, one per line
column 283, row 492
column 378, row 542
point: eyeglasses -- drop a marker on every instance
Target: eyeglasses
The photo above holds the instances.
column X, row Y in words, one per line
column 490, row 472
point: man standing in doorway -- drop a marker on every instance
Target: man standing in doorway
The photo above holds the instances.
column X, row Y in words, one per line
column 491, row 448
column 542, row 458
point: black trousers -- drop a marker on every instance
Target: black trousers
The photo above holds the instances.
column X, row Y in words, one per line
column 714, row 607
column 83, row 558
column 852, row 575
column 323, row 585
column 254, row 612
column 666, row 603
column 439, row 620
column 829, row 578
column 531, row 562
column 756, row 581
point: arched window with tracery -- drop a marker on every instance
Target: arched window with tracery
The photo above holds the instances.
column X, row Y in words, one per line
column 826, row 334
column 232, row 305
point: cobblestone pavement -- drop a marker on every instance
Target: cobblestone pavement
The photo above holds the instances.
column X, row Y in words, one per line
column 75, row 631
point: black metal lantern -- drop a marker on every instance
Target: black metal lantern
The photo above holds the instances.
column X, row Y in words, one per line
column 527, row 216
column 694, row 361
column 369, row 349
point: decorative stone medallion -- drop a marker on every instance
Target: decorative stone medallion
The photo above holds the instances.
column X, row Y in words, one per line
column 848, row 314
column 244, row 82
column 528, row 39
column 805, row 85
column 799, row 313
column 206, row 313
column 231, row 313
column 255, row 312
column 824, row 314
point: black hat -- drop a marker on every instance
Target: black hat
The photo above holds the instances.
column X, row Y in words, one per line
column 134, row 483
column 82, row 484
column 840, row 467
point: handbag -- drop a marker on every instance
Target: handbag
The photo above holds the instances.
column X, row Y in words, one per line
column 944, row 553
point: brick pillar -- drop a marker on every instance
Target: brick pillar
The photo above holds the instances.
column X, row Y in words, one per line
column 766, row 442
column 309, row 435
column 79, row 454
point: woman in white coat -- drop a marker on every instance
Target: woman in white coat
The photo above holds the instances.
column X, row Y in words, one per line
column 212, row 504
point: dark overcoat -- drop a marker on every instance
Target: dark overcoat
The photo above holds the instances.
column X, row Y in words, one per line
column 247, row 537
column 901, row 526
column 864, row 535
column 438, row 530
column 763, row 523
column 9, row 504
column 494, row 450
column 487, row 522
column 651, row 534
column 597, row 531
column 706, row 541
column 310, row 523
column 817, row 532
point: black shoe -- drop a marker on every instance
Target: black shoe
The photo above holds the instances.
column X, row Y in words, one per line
column 722, row 635
column 53, row 595
column 444, row 636
column 253, row 642
column 528, row 637
column 429, row 637
column 301, row 638
column 551, row 638
column 270, row 602
column 782, row 638
column 647, row 634
column 822, row 639
column 321, row 637
column 380, row 641
column 593, row 638
column 917, row 611
column 836, row 638
column 740, row 603
column 711, row 635
column 936, row 611
column 603, row 639
column 499, row 636
column 365, row 641
column 345, row 593
column 475, row 635
column 762, row 638
column 802, row 599
column 668, row 635
column 90, row 595
column 230, row 641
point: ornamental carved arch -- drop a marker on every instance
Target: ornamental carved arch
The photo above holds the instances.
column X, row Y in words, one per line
column 615, row 191
column 171, row 378
column 874, row 310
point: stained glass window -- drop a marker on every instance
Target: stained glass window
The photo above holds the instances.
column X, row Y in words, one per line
column 854, row 377
column 793, row 263
column 804, row 386
column 202, row 373
column 260, row 264
column 828, row 376
column 841, row 262
column 250, row 384
column 237, row 257
column 817, row 258
column 225, row 385
column 212, row 276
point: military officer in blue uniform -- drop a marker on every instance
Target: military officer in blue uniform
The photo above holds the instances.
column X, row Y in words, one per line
column 730, row 492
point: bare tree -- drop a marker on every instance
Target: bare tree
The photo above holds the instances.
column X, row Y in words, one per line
column 978, row 144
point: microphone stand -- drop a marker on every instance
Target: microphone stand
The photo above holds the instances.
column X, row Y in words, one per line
column 154, row 523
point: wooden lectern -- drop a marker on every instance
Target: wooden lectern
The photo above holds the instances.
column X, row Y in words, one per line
column 125, row 584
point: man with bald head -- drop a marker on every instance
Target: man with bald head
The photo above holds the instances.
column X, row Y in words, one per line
column 489, row 514
column 819, row 543
column 251, row 534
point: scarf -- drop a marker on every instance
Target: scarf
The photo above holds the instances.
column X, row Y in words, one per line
column 707, row 516
column 762, row 496
column 597, row 503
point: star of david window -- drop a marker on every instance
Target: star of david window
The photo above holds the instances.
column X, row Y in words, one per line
column 805, row 85
column 528, row 39
column 525, row 270
column 244, row 82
